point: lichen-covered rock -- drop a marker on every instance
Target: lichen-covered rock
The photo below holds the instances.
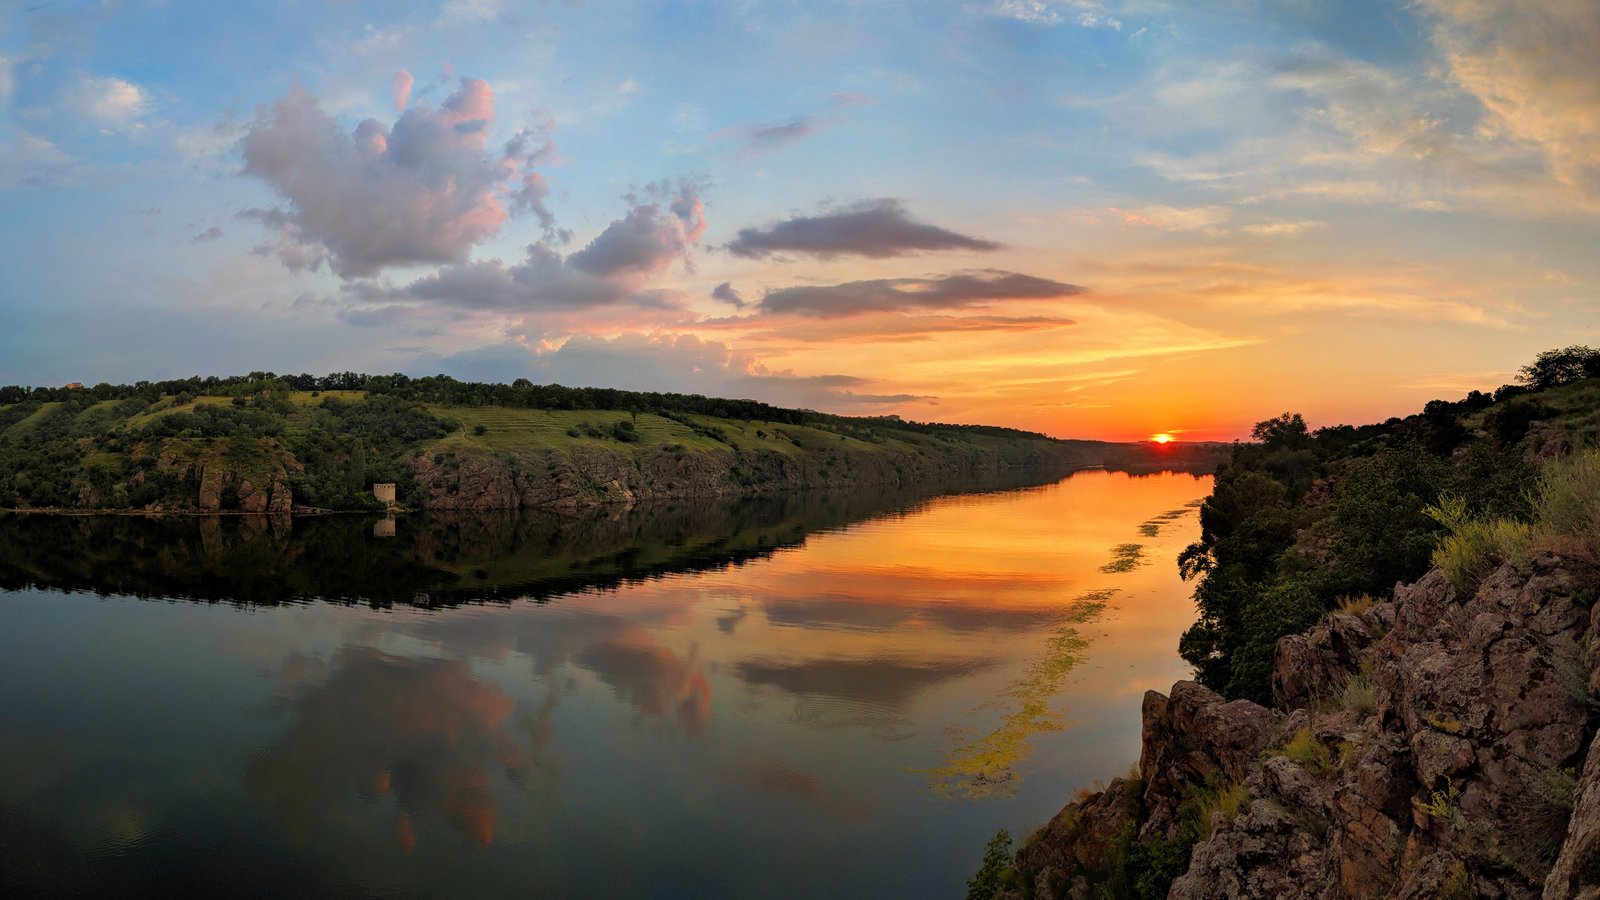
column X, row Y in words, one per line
column 1194, row 739
column 1073, row 846
column 1265, row 853
column 1308, row 665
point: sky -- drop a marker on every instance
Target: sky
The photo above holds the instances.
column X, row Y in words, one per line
column 1090, row 218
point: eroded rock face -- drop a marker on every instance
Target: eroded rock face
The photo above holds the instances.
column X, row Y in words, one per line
column 224, row 488
column 1194, row 739
column 1464, row 767
column 1306, row 666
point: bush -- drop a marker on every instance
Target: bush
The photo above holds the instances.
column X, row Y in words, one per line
column 1473, row 548
column 1306, row 751
column 995, row 873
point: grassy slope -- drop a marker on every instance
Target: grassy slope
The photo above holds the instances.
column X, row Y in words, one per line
column 534, row 429
column 104, row 430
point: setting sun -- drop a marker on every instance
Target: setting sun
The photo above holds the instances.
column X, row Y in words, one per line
column 1161, row 438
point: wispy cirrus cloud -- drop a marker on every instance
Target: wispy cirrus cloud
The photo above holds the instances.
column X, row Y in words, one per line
column 1535, row 69
column 755, row 139
column 886, row 329
column 877, row 229
column 1084, row 13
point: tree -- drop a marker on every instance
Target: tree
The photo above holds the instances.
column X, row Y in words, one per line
column 1286, row 432
column 1554, row 367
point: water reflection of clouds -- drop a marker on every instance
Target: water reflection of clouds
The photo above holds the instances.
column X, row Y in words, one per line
column 868, row 693
column 889, row 612
column 775, row 778
column 422, row 731
column 623, row 653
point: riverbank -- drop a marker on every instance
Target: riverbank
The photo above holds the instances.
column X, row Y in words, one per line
column 268, row 449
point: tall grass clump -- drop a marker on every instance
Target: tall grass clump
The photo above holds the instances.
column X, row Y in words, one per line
column 1472, row 548
column 1566, row 499
column 1354, row 605
column 1359, row 696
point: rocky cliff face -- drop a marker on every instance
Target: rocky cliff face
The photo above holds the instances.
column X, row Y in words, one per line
column 547, row 479
column 1436, row 745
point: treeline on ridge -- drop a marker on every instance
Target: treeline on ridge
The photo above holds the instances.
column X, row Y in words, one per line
column 443, row 390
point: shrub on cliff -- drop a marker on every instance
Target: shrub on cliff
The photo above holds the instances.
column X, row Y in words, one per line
column 995, row 872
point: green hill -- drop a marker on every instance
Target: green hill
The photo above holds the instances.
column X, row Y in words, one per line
column 264, row 443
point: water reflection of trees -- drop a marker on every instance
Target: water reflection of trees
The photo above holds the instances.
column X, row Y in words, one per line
column 433, row 559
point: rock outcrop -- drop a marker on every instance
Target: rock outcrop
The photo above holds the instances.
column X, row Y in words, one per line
column 1436, row 745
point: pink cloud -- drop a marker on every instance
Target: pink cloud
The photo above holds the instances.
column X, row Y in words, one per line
column 424, row 190
column 400, row 86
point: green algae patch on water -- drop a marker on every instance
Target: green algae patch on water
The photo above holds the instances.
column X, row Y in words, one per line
column 1152, row 526
column 987, row 766
column 1124, row 558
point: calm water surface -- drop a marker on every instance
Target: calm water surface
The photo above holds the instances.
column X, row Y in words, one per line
column 808, row 696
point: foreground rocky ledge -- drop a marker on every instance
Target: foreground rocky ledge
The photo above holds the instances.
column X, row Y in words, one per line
column 1437, row 745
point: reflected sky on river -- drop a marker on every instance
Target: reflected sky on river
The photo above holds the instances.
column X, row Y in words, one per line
column 764, row 721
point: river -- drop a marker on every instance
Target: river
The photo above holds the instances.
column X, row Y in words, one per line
column 815, row 695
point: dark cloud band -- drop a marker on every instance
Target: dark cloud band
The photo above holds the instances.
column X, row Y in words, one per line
column 877, row 229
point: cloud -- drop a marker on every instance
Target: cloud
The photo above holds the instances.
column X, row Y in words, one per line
column 400, row 89
column 683, row 363
column 473, row 10
column 1534, row 68
column 30, row 161
column 615, row 267
column 726, row 293
column 1085, row 13
column 424, row 191
column 874, row 228
column 200, row 142
column 109, row 101
column 902, row 328
column 210, row 234
column 757, row 139
column 645, row 241
column 1289, row 228
column 8, row 81
column 1207, row 219
column 762, row 138
column 960, row 290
